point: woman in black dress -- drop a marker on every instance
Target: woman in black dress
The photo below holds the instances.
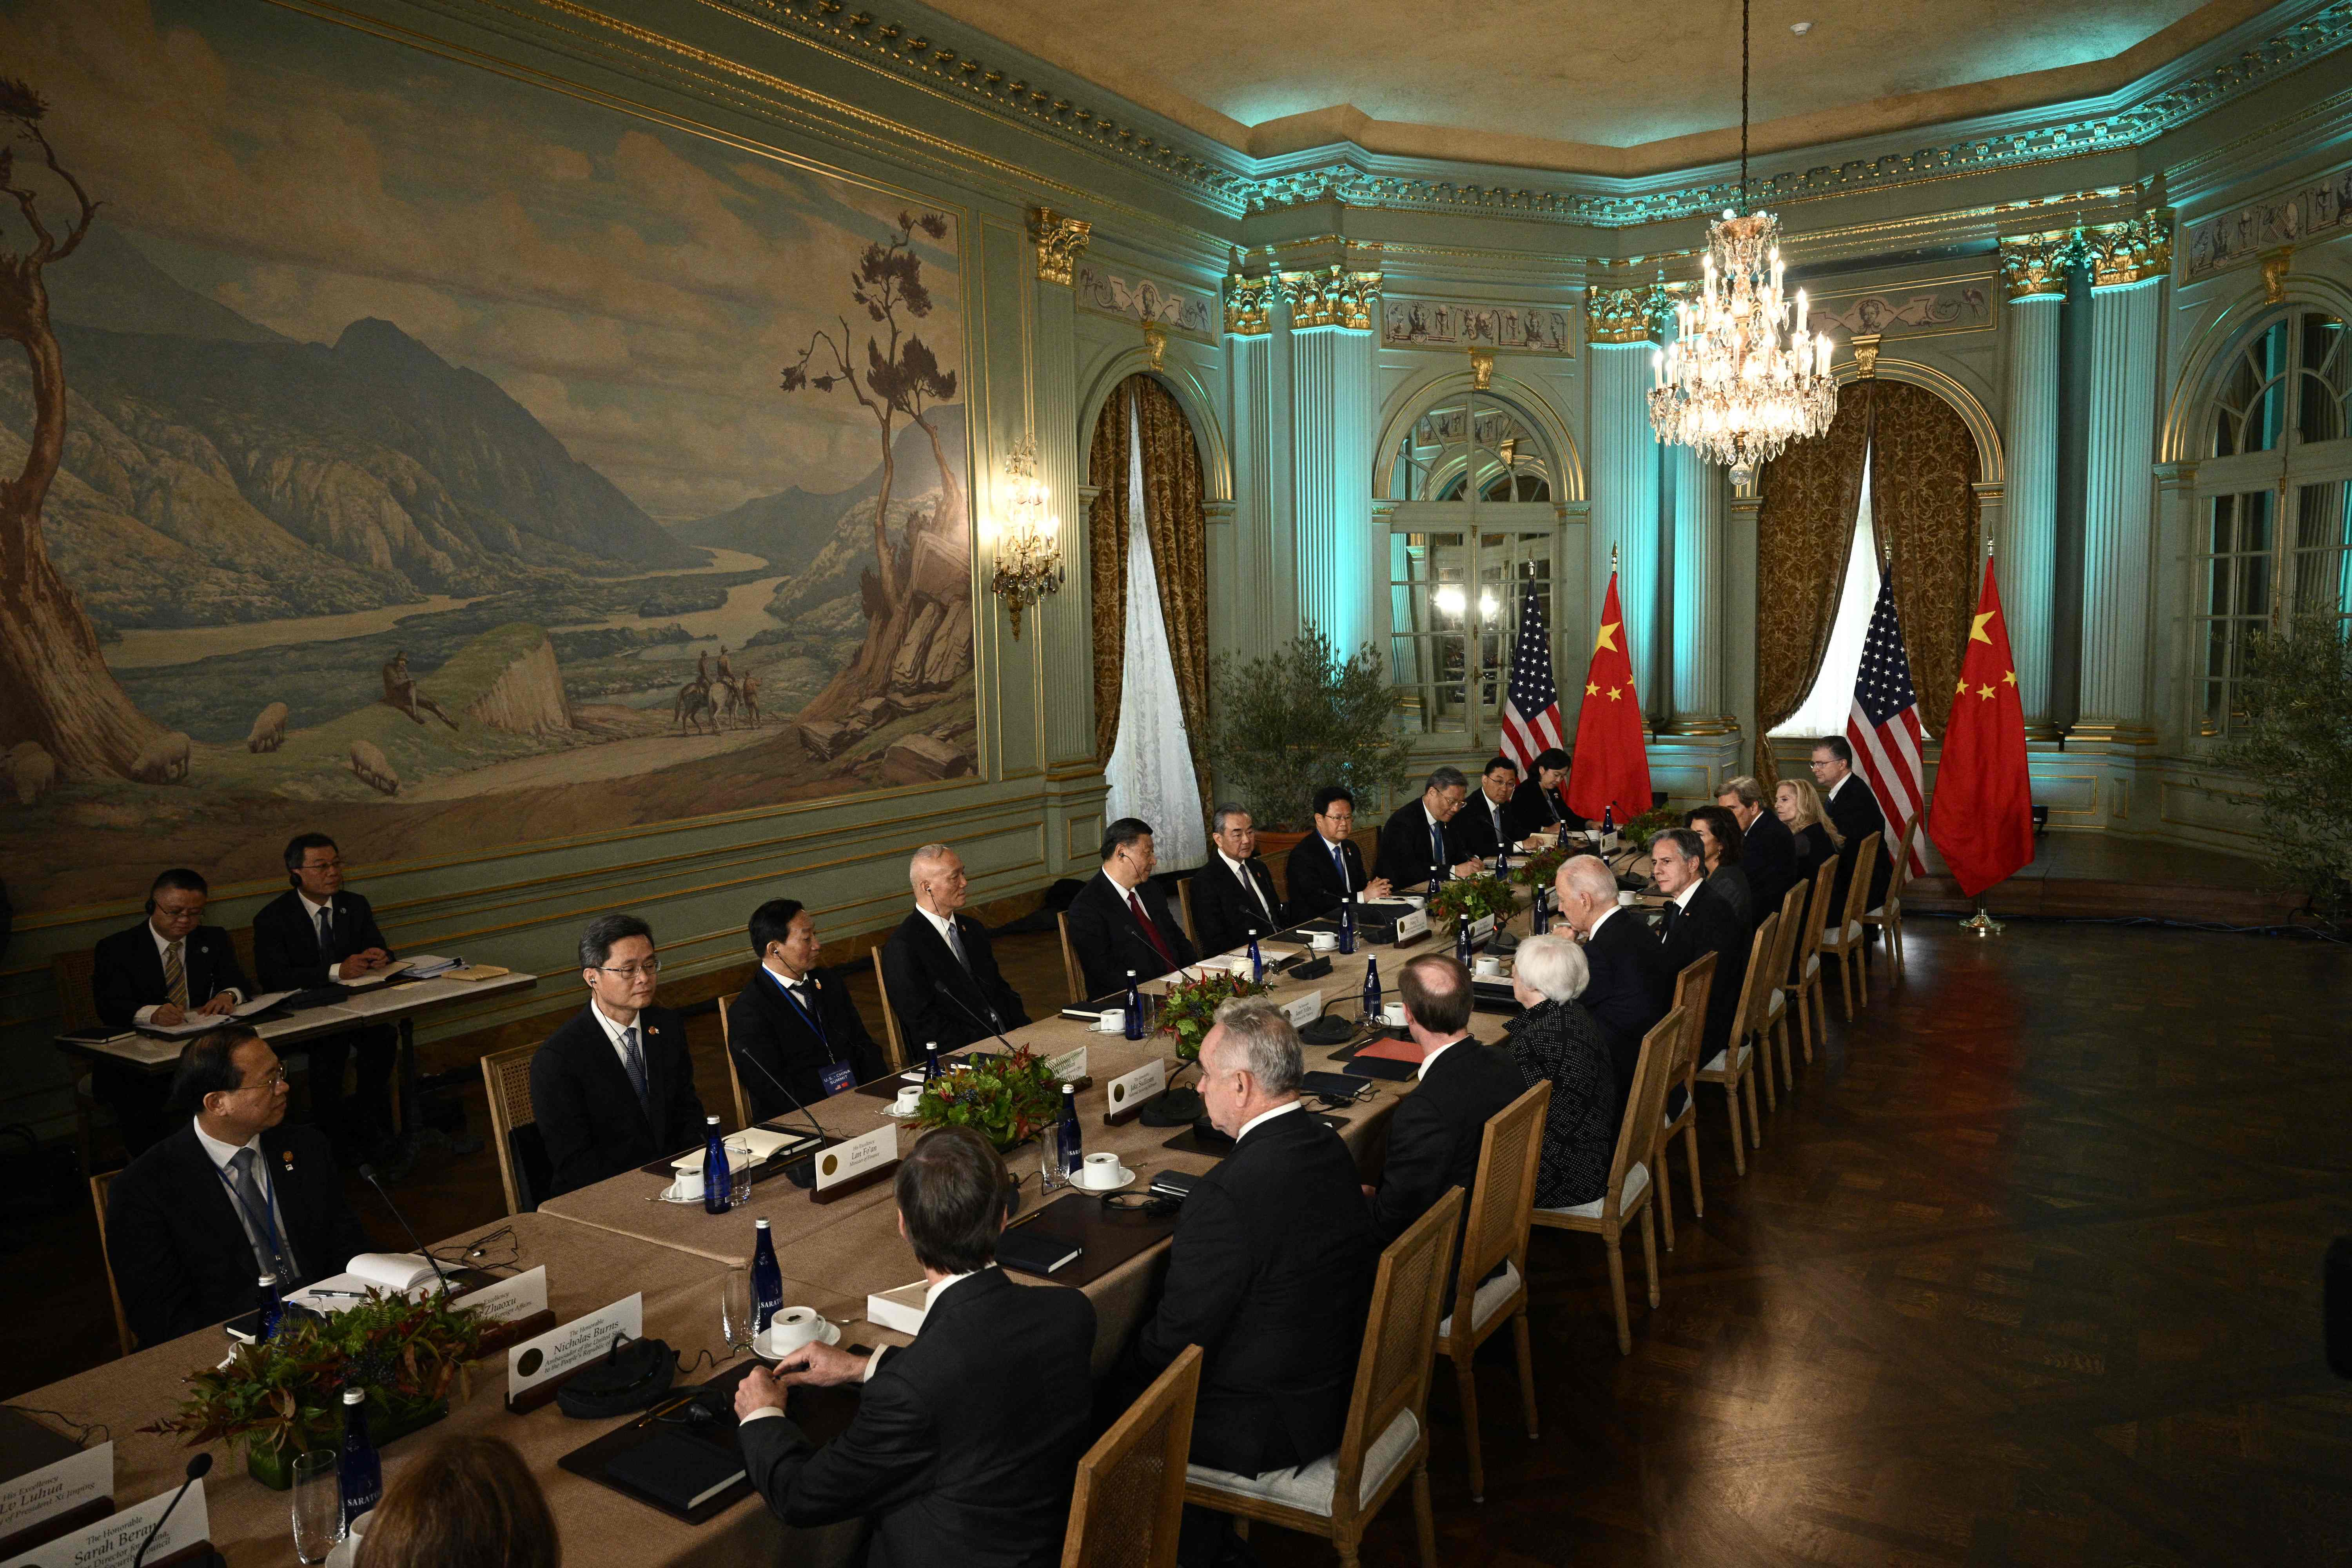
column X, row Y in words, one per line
column 1797, row 803
column 1557, row 1040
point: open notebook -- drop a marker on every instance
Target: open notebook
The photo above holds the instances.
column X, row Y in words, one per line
column 761, row 1142
column 394, row 1273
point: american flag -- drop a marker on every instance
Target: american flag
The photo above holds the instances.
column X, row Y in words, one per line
column 1883, row 726
column 1531, row 707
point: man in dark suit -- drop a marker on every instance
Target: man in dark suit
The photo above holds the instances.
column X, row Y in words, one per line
column 613, row 1086
column 1630, row 987
column 796, row 1039
column 1700, row 920
column 168, row 969
column 1769, row 856
column 1234, row 894
column 1415, row 840
column 1119, row 922
column 943, row 975
column 1326, row 866
column 1854, row 806
column 1537, row 807
column 966, row 1442
column 1435, row 1137
column 1483, row 826
column 230, row 1195
column 313, row 935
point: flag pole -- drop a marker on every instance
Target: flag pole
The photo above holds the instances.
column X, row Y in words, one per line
column 1982, row 924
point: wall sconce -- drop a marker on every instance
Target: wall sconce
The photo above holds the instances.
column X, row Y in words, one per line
column 1028, row 541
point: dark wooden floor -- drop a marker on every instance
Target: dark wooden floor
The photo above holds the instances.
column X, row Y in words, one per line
column 2026, row 1272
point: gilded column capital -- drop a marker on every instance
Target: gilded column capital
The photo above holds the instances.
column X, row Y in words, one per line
column 1620, row 315
column 1247, row 302
column 1059, row 241
column 2129, row 252
column 2033, row 266
column 1332, row 296
column 2275, row 267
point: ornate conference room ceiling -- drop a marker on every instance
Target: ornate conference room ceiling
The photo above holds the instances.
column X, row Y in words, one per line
column 1608, row 89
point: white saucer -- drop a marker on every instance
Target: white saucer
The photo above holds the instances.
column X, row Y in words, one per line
column 695, row 1200
column 1125, row 1177
column 829, row 1335
column 892, row 1110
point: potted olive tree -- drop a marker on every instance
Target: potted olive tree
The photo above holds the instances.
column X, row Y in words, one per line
column 1286, row 724
column 2297, row 738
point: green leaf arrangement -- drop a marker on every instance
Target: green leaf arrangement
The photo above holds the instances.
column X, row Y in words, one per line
column 1007, row 1099
column 1474, row 897
column 1538, row 868
column 1190, row 1007
column 286, row 1395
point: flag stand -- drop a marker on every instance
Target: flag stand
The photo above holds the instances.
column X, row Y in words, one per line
column 1982, row 924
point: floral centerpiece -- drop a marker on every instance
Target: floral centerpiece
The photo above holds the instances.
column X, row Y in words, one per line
column 1191, row 1005
column 1637, row 832
column 284, row 1396
column 1471, row 898
column 1007, row 1099
column 1537, row 868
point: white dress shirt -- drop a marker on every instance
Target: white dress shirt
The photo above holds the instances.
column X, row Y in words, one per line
column 1284, row 1109
column 164, row 955
column 1423, row 1071
column 613, row 1033
column 943, row 924
column 1241, row 868
column 222, row 1154
column 1839, row 785
column 1601, row 919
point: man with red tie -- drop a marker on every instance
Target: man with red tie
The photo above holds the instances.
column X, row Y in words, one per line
column 1120, row 921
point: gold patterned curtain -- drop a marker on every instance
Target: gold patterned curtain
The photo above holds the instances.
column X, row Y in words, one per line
column 1804, row 535
column 1923, row 504
column 1177, row 523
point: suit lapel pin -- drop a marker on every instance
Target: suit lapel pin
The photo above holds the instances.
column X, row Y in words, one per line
column 286, row 1158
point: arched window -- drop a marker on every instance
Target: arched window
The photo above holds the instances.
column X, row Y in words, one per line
column 1473, row 524
column 2274, row 498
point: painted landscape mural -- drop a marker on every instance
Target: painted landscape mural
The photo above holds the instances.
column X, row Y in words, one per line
column 389, row 445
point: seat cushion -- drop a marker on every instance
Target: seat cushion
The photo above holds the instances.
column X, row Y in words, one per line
column 1877, row 915
column 1853, row 933
column 1714, row 1062
column 1774, row 1001
column 1813, row 965
column 1637, row 1182
column 1488, row 1301
column 1308, row 1487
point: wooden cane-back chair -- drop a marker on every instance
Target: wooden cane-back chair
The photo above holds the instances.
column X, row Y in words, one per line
column 506, row 1083
column 1185, row 907
column 893, row 1042
column 1129, row 1496
column 1692, row 986
column 1502, row 1200
column 1630, row 1189
column 99, row 1186
column 1733, row 1069
column 1070, row 980
column 1777, row 1012
column 734, row 1076
column 1805, row 980
column 1888, row 916
column 1386, row 1438
column 1842, row 938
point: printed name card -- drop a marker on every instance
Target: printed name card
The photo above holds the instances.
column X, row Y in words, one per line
column 1304, row 1010
column 536, row 1366
column 114, row 1540
column 509, row 1301
column 1413, row 925
column 1069, row 1066
column 1129, row 1091
column 44, row 1496
column 854, row 1162
column 1482, row 927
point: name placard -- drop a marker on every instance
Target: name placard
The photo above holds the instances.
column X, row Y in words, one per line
column 537, row 1365
column 509, row 1301
column 1129, row 1091
column 1304, row 1010
column 114, row 1540
column 1069, row 1066
column 1411, row 926
column 855, row 1162
column 1482, row 927
column 41, row 1504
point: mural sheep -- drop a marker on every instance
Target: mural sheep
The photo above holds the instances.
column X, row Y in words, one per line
column 268, row 730
column 30, row 769
column 163, row 762
column 374, row 768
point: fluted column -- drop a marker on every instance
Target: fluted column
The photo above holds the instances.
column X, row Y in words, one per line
column 2027, row 559
column 2128, row 263
column 1625, row 476
column 1065, row 631
column 1265, row 588
column 1746, row 503
column 1329, row 345
column 1697, row 587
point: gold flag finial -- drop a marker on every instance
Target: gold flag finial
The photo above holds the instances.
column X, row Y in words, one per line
column 1613, row 557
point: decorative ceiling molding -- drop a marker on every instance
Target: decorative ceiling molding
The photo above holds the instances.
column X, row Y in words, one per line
column 1045, row 101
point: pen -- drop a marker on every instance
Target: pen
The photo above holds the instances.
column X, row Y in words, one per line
column 353, row 1295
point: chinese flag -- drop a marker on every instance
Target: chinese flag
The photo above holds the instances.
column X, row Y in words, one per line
column 1611, row 769
column 1982, row 816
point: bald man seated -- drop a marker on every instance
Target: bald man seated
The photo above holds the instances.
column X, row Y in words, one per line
column 944, row 984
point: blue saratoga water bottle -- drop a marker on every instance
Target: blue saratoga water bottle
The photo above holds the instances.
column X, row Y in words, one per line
column 1371, row 990
column 1538, row 918
column 1437, row 881
column 360, row 1471
column 1462, row 940
column 1074, row 1153
column 767, row 1279
column 1134, row 1019
column 1257, row 961
column 931, row 1068
column 1608, row 827
column 718, row 1181
column 1348, row 923
column 270, row 1307
column 1503, row 861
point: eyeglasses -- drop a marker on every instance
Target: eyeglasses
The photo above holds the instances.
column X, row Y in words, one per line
column 335, row 864
column 631, row 971
column 270, row 1079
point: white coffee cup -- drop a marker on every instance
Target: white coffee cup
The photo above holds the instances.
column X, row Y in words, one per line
column 1629, row 899
column 910, row 1098
column 1112, row 1022
column 1322, row 940
column 1100, row 1172
column 1393, row 1014
column 1489, row 964
column 788, row 1329
column 685, row 1189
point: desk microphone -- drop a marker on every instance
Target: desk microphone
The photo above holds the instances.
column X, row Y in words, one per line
column 369, row 1172
column 961, row 1007
column 793, row 1098
column 197, row 1468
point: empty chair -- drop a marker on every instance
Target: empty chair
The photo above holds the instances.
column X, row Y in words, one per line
column 1842, row 932
column 1692, row 988
column 1630, row 1188
column 1888, row 916
column 523, row 1165
column 1129, row 1496
column 98, row 1186
column 1502, row 1199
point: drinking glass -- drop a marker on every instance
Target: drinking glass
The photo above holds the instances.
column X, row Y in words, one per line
column 739, row 1165
column 1049, row 1157
column 318, row 1504
column 735, row 1310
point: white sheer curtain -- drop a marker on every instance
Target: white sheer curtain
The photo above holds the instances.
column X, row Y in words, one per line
column 1151, row 767
column 1826, row 707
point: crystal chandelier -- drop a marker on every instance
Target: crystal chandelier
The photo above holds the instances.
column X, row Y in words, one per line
column 1743, row 377
column 1028, row 541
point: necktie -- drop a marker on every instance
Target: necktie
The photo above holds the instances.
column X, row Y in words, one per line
column 1249, row 886
column 326, row 932
column 1436, row 846
column 1159, row 943
column 255, row 1204
column 634, row 1059
column 1339, row 859
column 955, row 945
column 1497, row 813
column 175, row 976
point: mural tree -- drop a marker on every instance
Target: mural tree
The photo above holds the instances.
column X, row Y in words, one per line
column 54, row 687
column 901, row 378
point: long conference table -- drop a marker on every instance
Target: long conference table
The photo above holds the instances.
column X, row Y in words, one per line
column 601, row 1243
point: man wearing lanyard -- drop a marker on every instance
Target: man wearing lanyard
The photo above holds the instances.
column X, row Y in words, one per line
column 231, row 1196
column 796, row 1038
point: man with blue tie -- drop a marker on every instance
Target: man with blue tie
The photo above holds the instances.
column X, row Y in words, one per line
column 1325, row 869
column 1415, row 840
column 614, row 1088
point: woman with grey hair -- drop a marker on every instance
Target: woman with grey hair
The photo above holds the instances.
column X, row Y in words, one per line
column 1557, row 1040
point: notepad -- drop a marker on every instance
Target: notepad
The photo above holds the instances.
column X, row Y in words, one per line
column 394, row 1273
column 758, row 1139
column 1033, row 1254
column 675, row 1470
